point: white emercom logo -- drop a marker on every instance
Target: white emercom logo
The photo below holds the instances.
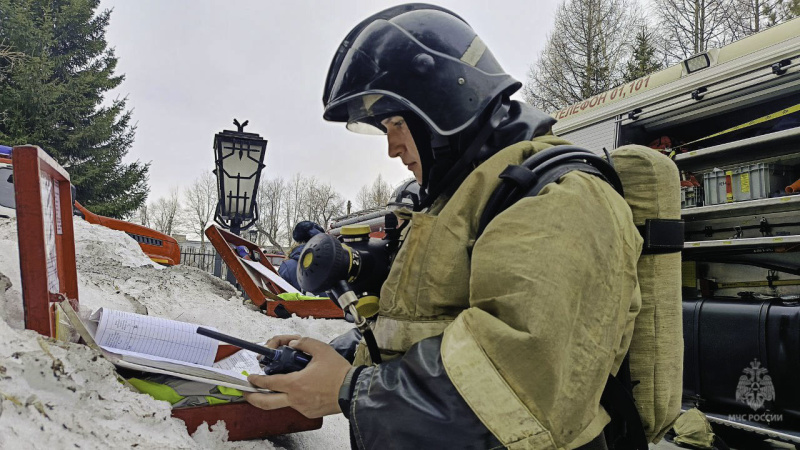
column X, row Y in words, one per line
column 755, row 387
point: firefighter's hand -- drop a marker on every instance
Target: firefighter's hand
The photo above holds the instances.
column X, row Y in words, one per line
column 313, row 391
column 281, row 339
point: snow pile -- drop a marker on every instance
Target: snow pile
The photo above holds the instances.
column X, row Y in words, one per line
column 10, row 285
column 60, row 395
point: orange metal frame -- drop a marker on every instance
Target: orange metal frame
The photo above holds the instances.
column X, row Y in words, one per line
column 245, row 421
column 169, row 253
column 29, row 163
column 222, row 241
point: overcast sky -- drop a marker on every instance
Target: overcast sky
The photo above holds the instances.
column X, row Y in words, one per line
column 191, row 66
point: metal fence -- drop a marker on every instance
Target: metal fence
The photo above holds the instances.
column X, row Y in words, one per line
column 206, row 260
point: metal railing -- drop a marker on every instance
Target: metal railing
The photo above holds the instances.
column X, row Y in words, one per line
column 204, row 259
column 209, row 261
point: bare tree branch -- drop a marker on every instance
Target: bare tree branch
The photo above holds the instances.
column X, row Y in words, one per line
column 586, row 54
column 376, row 195
column 693, row 26
column 164, row 213
column 284, row 204
column 201, row 202
column 270, row 222
column 8, row 57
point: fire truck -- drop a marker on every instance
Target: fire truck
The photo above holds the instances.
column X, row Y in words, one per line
column 730, row 119
column 375, row 218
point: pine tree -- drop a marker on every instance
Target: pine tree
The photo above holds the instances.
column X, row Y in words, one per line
column 788, row 9
column 52, row 96
column 644, row 57
column 752, row 16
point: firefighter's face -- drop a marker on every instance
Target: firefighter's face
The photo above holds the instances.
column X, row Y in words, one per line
column 401, row 144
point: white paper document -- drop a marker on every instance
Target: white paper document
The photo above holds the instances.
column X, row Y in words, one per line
column 118, row 330
column 241, row 362
column 169, row 364
column 153, row 344
column 153, row 336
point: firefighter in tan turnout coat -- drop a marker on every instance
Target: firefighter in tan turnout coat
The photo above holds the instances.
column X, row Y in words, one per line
column 501, row 340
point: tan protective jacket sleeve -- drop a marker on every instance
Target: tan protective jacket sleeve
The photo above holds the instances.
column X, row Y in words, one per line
column 553, row 295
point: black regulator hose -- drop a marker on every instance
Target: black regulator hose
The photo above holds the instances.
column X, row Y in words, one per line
column 372, row 345
column 347, row 300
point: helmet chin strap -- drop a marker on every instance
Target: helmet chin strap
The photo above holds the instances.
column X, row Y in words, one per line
column 439, row 178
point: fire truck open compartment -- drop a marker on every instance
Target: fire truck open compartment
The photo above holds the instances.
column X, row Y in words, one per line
column 733, row 133
column 763, row 232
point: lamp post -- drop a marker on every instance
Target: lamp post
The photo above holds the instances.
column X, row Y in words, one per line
column 253, row 235
column 239, row 158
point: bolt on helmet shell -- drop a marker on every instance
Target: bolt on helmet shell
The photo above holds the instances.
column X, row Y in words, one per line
column 418, row 58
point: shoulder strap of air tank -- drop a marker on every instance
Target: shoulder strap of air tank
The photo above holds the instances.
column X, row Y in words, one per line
column 518, row 183
column 662, row 236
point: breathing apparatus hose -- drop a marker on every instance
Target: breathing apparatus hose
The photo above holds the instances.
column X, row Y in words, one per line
column 347, row 300
column 372, row 345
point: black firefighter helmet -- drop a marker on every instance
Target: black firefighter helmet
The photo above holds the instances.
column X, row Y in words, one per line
column 423, row 60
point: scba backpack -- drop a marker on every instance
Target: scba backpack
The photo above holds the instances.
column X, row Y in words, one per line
column 644, row 398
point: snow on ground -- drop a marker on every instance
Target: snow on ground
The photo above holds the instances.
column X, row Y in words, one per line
column 61, row 395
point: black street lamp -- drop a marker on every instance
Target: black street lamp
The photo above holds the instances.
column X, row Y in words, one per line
column 239, row 158
column 253, row 234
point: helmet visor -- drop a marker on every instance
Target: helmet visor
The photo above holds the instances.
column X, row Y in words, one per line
column 366, row 113
column 387, row 71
